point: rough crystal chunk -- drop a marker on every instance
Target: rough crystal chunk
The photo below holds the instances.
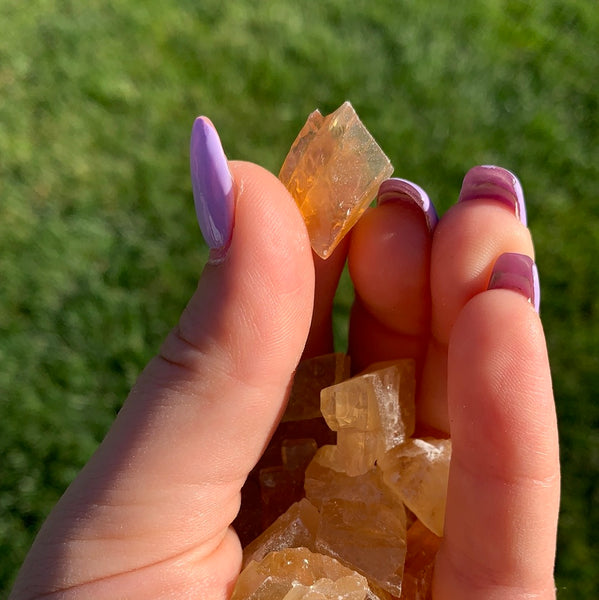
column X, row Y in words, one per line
column 371, row 538
column 333, row 172
column 423, row 546
column 279, row 572
column 325, row 480
column 375, row 500
column 294, row 529
column 357, row 450
column 418, row 472
column 345, row 588
column 372, row 413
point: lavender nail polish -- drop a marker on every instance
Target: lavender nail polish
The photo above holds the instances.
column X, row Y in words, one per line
column 517, row 272
column 212, row 184
column 495, row 183
column 402, row 190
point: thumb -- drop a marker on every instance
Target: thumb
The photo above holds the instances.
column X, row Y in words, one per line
column 162, row 489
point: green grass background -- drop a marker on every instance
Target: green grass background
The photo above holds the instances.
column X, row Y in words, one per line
column 99, row 248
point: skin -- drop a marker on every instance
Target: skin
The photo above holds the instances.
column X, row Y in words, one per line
column 149, row 515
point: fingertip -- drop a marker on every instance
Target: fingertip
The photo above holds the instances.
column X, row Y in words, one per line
column 466, row 243
column 269, row 219
column 519, row 273
column 261, row 289
column 503, row 494
column 495, row 184
column 389, row 259
column 404, row 191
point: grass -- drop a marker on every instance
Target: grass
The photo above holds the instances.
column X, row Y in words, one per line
column 99, row 249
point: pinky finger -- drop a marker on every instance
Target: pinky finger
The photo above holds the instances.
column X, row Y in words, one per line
column 503, row 496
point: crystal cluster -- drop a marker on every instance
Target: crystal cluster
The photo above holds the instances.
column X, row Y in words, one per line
column 358, row 514
column 333, row 171
column 313, row 577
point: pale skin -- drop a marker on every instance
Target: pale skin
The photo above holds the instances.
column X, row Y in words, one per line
column 149, row 516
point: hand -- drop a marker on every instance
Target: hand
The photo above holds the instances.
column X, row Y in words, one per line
column 149, row 516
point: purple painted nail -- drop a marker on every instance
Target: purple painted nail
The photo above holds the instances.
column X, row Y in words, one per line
column 212, row 184
column 495, row 183
column 400, row 190
column 517, row 272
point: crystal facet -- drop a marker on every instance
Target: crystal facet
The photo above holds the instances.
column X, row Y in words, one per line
column 372, row 413
column 369, row 537
column 418, row 472
column 278, row 573
column 333, row 172
column 423, row 545
column 325, row 481
column 296, row 528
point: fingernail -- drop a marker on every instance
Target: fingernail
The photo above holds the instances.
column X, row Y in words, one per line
column 212, row 184
column 402, row 190
column 517, row 272
column 494, row 183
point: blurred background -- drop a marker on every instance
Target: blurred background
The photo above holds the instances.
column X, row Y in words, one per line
column 99, row 246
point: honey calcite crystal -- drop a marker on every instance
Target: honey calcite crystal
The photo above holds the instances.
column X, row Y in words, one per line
column 418, row 472
column 423, row 546
column 326, row 480
column 296, row 528
column 298, row 574
column 333, row 171
column 369, row 537
column 371, row 413
column 359, row 519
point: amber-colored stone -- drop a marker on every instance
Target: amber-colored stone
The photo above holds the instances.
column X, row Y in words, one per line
column 357, row 450
column 418, row 472
column 345, row 588
column 333, row 171
column 279, row 572
column 371, row 501
column 301, row 143
column 324, row 481
column 370, row 538
column 372, row 413
column 294, row 529
column 423, row 546
column 311, row 376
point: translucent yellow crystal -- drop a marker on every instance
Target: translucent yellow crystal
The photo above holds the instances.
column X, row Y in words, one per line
column 418, row 472
column 354, row 494
column 372, row 413
column 296, row 528
column 357, row 450
column 278, row 573
column 333, row 171
column 423, row 546
column 345, row 588
column 371, row 538
column 325, row 480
